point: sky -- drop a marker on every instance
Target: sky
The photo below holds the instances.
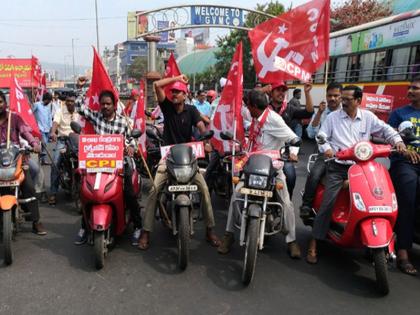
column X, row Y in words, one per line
column 46, row 28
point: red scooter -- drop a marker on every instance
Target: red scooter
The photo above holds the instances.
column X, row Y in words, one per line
column 103, row 205
column 366, row 208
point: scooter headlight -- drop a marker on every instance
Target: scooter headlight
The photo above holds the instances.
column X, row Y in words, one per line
column 358, row 202
column 363, row 151
column 183, row 174
column 257, row 181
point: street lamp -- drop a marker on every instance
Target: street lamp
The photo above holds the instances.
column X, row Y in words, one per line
column 72, row 49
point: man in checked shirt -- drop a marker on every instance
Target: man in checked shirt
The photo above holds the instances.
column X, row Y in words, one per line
column 108, row 121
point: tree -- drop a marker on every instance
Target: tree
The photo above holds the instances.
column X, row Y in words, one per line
column 356, row 12
column 227, row 44
column 138, row 68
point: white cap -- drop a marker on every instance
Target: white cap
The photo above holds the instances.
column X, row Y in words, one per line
column 405, row 125
column 222, row 82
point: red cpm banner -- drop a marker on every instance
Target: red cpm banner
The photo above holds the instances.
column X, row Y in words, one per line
column 101, row 153
column 377, row 103
column 21, row 69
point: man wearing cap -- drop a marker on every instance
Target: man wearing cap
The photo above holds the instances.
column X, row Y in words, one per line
column 290, row 115
column 179, row 118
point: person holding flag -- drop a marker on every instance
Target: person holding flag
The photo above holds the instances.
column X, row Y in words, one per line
column 179, row 121
column 18, row 128
column 43, row 115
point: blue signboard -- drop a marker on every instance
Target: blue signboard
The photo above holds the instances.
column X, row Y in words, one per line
column 164, row 35
column 216, row 16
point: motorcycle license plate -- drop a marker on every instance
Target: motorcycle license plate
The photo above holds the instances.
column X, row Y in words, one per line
column 182, row 188
column 9, row 183
column 256, row 192
column 383, row 209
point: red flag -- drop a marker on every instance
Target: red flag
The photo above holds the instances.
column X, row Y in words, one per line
column 42, row 89
column 292, row 45
column 140, row 118
column 20, row 105
column 100, row 82
column 36, row 71
column 228, row 111
column 172, row 70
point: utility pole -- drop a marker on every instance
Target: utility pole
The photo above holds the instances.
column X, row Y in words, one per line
column 97, row 27
column 74, row 71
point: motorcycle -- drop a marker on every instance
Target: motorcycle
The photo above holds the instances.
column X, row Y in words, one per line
column 69, row 177
column 222, row 175
column 366, row 208
column 260, row 209
column 178, row 194
column 11, row 176
column 103, row 204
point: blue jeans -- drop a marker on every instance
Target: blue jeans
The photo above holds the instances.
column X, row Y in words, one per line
column 55, row 176
column 298, row 130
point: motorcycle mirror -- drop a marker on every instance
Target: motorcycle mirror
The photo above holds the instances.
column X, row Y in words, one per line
column 135, row 133
column 207, row 135
column 226, row 135
column 321, row 139
column 296, row 142
column 76, row 127
column 151, row 134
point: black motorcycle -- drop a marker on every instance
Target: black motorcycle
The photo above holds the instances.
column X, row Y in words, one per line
column 260, row 208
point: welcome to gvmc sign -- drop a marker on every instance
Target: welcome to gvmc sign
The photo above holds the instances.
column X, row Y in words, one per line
column 207, row 15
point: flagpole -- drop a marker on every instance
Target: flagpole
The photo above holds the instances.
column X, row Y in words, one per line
column 327, row 65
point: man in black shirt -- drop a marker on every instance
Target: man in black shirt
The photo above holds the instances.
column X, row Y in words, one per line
column 179, row 119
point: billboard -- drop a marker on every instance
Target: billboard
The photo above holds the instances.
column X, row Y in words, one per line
column 20, row 68
column 142, row 23
column 214, row 15
column 131, row 25
column 164, row 35
column 200, row 35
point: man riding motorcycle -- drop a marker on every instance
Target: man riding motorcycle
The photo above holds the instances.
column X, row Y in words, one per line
column 108, row 121
column 268, row 131
column 319, row 167
column 179, row 120
column 61, row 128
column 18, row 128
column 342, row 129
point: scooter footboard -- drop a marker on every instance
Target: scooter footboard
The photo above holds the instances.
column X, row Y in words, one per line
column 100, row 217
column 376, row 232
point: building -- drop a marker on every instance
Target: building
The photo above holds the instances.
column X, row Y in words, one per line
column 184, row 46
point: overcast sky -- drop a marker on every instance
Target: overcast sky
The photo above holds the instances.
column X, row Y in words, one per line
column 46, row 28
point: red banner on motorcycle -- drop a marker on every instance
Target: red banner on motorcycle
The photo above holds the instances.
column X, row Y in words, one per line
column 197, row 148
column 292, row 45
column 101, row 153
column 19, row 104
column 172, row 70
column 24, row 70
column 228, row 111
column 377, row 103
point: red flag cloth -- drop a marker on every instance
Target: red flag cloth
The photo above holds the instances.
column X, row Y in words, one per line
column 100, row 82
column 42, row 89
column 228, row 111
column 172, row 70
column 292, row 45
column 140, row 118
column 20, row 105
column 36, row 71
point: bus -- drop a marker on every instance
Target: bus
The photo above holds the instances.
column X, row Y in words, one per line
column 381, row 57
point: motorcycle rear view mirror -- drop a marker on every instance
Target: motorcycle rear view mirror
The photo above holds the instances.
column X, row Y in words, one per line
column 207, row 135
column 135, row 133
column 296, row 142
column 76, row 127
column 321, row 139
column 151, row 134
column 226, row 135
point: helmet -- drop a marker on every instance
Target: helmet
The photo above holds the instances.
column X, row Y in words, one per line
column 212, row 94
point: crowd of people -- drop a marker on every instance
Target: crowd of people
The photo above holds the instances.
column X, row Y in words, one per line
column 271, row 122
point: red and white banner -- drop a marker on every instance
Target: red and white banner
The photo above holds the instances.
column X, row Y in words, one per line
column 42, row 89
column 292, row 45
column 20, row 105
column 100, row 82
column 172, row 70
column 101, row 153
column 24, row 70
column 377, row 103
column 139, row 118
column 197, row 148
column 228, row 111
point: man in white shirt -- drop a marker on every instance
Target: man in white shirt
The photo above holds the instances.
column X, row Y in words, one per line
column 268, row 132
column 344, row 128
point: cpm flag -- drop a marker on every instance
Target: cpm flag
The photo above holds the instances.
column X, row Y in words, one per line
column 172, row 70
column 292, row 45
column 36, row 71
column 100, row 82
column 228, row 115
column 19, row 104
column 42, row 89
column 139, row 118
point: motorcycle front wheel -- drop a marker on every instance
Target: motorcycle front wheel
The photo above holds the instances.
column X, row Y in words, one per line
column 251, row 249
column 183, row 239
column 381, row 270
column 7, row 236
column 100, row 249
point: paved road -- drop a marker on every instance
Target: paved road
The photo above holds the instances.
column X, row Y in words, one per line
column 52, row 276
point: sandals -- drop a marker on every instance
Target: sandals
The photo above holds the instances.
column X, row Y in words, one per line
column 143, row 244
column 406, row 267
column 312, row 256
column 213, row 240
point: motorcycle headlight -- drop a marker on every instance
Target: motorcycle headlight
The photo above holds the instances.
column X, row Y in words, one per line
column 257, row 181
column 363, row 151
column 183, row 174
column 7, row 173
